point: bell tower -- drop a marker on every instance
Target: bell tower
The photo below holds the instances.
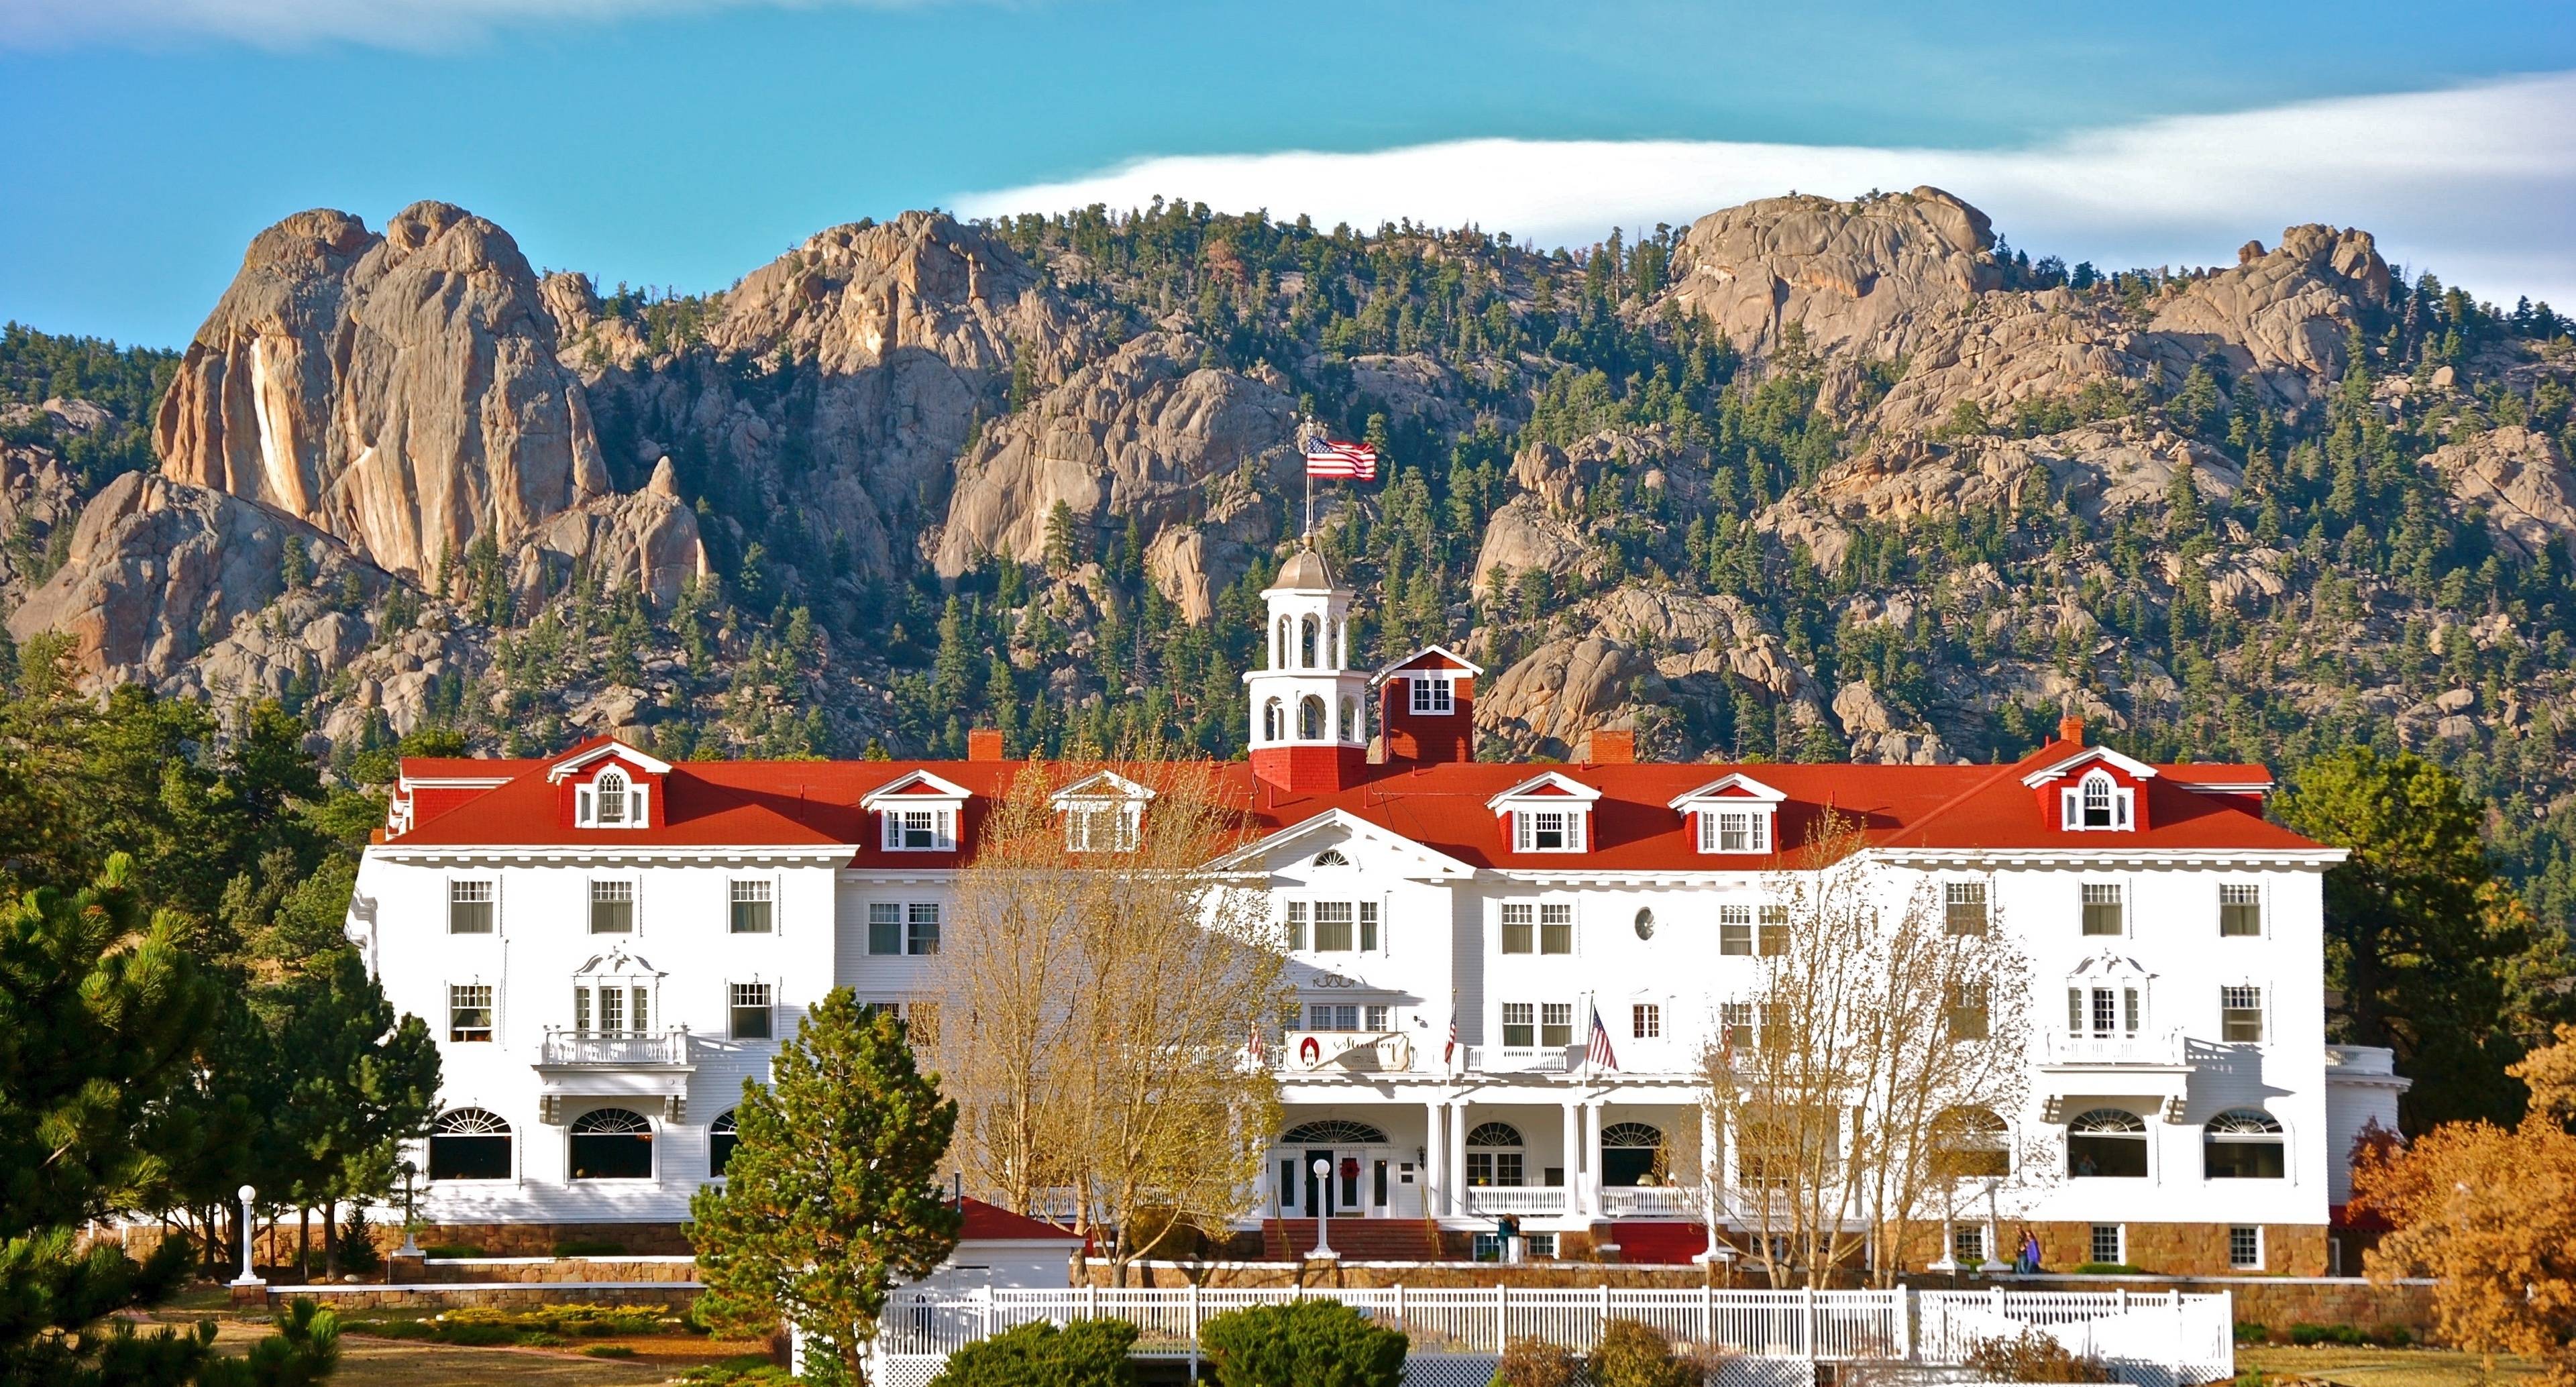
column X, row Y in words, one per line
column 1309, row 710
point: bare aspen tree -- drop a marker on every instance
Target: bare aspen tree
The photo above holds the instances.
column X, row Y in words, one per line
column 1862, row 1077
column 1095, row 995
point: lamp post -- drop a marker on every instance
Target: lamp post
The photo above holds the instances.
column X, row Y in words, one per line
column 1324, row 1252
column 247, row 1277
column 411, row 1220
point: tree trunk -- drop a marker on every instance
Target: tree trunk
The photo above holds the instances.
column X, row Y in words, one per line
column 331, row 1240
column 304, row 1241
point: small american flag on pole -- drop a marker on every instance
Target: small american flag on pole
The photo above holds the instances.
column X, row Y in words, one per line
column 1450, row 1050
column 1259, row 1046
column 1327, row 458
column 1599, row 1055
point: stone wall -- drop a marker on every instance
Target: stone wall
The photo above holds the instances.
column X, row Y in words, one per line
column 555, row 1269
column 458, row 1297
column 540, row 1239
column 2180, row 1249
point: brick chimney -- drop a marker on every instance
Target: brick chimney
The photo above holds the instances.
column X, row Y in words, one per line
column 984, row 744
column 1611, row 746
column 2070, row 729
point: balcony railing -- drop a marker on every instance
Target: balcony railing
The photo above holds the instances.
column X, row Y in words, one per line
column 1511, row 1199
column 616, row 1048
column 1638, row 1201
column 1494, row 1059
column 2163, row 1048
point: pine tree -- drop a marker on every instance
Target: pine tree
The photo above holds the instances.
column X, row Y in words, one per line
column 834, row 1190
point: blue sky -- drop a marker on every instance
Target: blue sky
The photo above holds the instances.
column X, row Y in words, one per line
column 685, row 141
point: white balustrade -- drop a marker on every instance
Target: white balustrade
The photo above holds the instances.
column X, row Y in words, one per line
column 1635, row 1201
column 604, row 1048
column 1514, row 1199
column 2165, row 1049
column 1553, row 1059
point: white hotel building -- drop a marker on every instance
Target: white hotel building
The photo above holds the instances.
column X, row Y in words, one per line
column 608, row 944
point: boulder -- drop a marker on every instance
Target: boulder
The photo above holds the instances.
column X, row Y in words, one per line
column 1554, row 695
column 1870, row 276
column 2519, row 478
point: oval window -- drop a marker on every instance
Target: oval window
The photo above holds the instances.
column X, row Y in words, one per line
column 1645, row 924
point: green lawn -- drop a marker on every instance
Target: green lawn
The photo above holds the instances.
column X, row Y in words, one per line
column 2382, row 1367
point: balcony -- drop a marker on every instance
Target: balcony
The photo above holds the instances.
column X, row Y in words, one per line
column 2115, row 1052
column 1652, row 1201
column 615, row 1049
column 1501, row 1199
column 1552, row 1059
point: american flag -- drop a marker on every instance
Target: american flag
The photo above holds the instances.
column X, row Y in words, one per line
column 1259, row 1045
column 1599, row 1055
column 1327, row 458
column 1450, row 1050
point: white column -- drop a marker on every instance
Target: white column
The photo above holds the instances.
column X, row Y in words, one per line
column 1594, row 1112
column 1435, row 1159
column 1712, row 1173
column 1457, row 1193
column 1572, row 1148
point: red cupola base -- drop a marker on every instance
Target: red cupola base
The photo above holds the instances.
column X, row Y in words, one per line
column 1318, row 768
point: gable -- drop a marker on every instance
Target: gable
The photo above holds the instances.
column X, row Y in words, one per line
column 1366, row 846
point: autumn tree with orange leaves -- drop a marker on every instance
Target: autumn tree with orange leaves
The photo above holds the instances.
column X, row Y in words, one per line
column 2491, row 1213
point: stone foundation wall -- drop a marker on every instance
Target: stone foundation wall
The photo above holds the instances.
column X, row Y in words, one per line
column 553, row 1270
column 2180, row 1249
column 539, row 1239
column 511, row 1297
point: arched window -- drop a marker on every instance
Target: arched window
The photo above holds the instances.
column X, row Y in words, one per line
column 721, row 1136
column 1350, row 720
column 469, row 1144
column 1274, row 722
column 1331, row 857
column 1279, row 646
column 2107, row 1143
column 1310, row 719
column 1310, row 641
column 1629, row 1153
column 1494, row 1155
column 1970, row 1144
column 612, row 1144
column 2097, row 800
column 1332, row 1131
column 608, row 792
column 2242, row 1144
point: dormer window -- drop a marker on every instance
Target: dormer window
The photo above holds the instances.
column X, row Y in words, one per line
column 920, row 830
column 1434, row 696
column 1547, row 830
column 1734, row 830
column 2098, row 803
column 917, row 813
column 1735, row 814
column 1104, row 812
column 610, row 800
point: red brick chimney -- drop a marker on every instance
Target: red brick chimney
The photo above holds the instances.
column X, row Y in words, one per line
column 2070, row 729
column 984, row 744
column 1611, row 746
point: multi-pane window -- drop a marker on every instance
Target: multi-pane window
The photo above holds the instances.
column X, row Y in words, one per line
column 1733, row 830
column 2240, row 909
column 2245, row 1247
column 1296, row 924
column 1735, row 929
column 1520, row 1026
column 1967, row 1011
column 1967, row 1244
column 1776, row 1029
column 749, row 1010
column 1775, row 930
column 1368, row 927
column 469, row 907
column 1555, row 1024
column 903, row 927
column 1736, row 1018
column 1432, row 695
column 1963, row 907
column 1556, row 929
column 885, row 927
column 2105, row 1245
column 1346, row 1016
column 1646, row 1021
column 1094, row 827
column 612, row 1009
column 612, row 907
column 2240, row 1014
column 2102, row 907
column 1374, row 1017
column 1517, row 935
column 1332, row 927
column 469, row 1012
column 2103, row 1011
column 750, row 901
column 621, row 1009
column 920, row 830
column 1547, row 830
column 921, row 927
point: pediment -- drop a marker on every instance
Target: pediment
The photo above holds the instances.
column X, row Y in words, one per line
column 1362, row 844
column 915, row 785
column 583, row 758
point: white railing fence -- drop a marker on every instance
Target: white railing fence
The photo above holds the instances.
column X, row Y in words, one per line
column 2149, row 1340
column 567, row 1047
column 1515, row 1199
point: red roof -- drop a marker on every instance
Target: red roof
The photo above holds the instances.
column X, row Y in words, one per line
column 1441, row 806
column 993, row 1223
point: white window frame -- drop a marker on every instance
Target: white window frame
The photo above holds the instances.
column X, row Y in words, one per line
column 491, row 888
column 1645, row 1021
column 1571, row 828
column 1433, row 695
column 1735, row 830
column 2257, row 898
column 768, row 1004
column 635, row 811
column 765, row 891
column 940, row 824
column 491, row 1010
column 2233, row 1263
column 634, row 903
column 2119, row 1236
column 2236, row 992
column 2119, row 804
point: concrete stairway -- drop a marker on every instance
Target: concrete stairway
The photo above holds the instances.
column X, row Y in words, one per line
column 1356, row 1239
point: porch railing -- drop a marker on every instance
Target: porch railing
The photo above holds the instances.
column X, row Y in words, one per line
column 1637, row 1201
column 2153, row 1340
column 570, row 1047
column 1493, row 1059
column 2164, row 1048
column 1514, row 1199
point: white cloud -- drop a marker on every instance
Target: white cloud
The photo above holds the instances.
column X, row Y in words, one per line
column 2476, row 183
column 415, row 24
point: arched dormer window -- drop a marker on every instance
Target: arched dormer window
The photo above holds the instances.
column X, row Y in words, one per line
column 610, row 800
column 2097, row 803
column 1310, row 719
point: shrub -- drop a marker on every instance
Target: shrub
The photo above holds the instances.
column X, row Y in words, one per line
column 1311, row 1343
column 2251, row 1332
column 1084, row 1353
column 2392, row 1336
column 748, row 1370
column 477, row 1335
column 1529, row 1362
column 589, row 1247
column 392, row 1329
column 608, row 1351
column 447, row 1250
column 2034, row 1357
column 1632, row 1353
column 538, row 1338
column 2109, row 1269
column 2309, row 1335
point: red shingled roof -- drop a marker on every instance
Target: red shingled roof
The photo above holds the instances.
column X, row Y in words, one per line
column 993, row 1223
column 1441, row 806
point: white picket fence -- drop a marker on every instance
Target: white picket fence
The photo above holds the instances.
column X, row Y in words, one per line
column 2166, row 1340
